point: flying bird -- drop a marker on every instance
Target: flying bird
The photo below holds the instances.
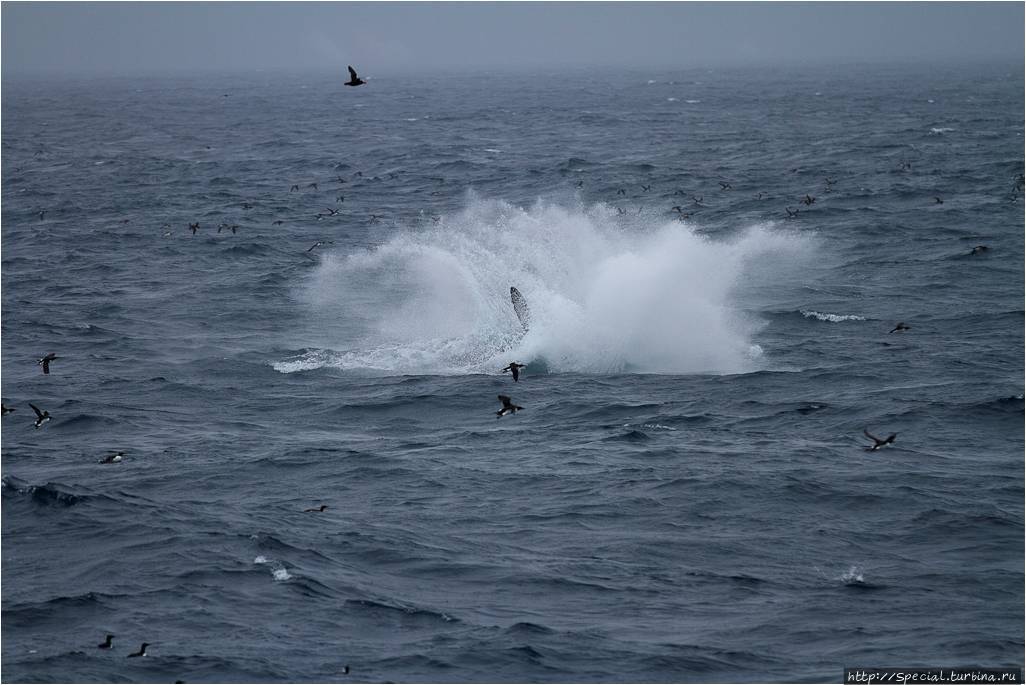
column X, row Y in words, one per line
column 354, row 80
column 900, row 328
column 45, row 362
column 41, row 416
column 507, row 407
column 6, row 410
column 877, row 442
column 515, row 368
column 319, row 243
column 317, row 509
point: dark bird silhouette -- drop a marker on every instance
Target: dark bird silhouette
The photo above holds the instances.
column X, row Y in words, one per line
column 345, row 670
column 354, row 80
column 808, row 200
column 319, row 243
column 937, row 200
column 45, row 362
column 294, row 188
column 340, row 199
column 316, row 509
column 141, row 652
column 878, row 443
column 900, row 327
column 791, row 213
column 41, row 416
column 42, row 213
column 113, row 458
column 106, row 644
column 646, row 188
column 621, row 191
column 312, row 185
column 515, row 368
column 6, row 410
column 507, row 407
column 724, row 185
column 979, row 249
column 580, row 184
column 194, row 227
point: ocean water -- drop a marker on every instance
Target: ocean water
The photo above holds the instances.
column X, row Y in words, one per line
column 686, row 496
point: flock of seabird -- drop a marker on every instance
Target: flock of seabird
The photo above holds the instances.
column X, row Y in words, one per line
column 508, row 407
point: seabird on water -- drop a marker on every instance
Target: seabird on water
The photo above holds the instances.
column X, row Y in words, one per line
column 937, row 200
column 194, row 227
column 113, row 459
column 507, row 407
column 515, row 368
column 6, row 410
column 354, row 80
column 724, row 185
column 979, row 249
column 878, row 443
column 45, row 362
column 646, row 188
column 41, row 416
column 106, row 643
column 317, row 509
column 808, row 200
column 142, row 650
column 900, row 328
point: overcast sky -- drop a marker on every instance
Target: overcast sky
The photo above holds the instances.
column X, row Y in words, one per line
column 387, row 37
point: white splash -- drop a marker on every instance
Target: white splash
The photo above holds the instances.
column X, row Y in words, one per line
column 833, row 318
column 605, row 295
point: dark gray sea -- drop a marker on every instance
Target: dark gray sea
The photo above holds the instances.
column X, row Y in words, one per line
column 686, row 495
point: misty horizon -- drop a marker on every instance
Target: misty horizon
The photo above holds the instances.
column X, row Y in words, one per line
column 43, row 39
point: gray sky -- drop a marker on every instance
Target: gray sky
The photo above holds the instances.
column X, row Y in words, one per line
column 387, row 37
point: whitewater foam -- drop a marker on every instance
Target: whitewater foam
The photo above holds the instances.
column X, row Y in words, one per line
column 833, row 318
column 607, row 294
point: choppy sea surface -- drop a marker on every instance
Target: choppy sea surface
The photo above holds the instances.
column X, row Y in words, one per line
column 686, row 496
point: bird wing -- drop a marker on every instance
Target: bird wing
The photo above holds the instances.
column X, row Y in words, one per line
column 352, row 73
column 40, row 414
column 871, row 436
column 506, row 401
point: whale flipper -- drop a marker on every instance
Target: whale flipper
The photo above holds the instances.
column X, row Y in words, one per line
column 520, row 307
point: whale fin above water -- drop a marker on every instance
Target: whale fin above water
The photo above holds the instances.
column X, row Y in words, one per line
column 520, row 307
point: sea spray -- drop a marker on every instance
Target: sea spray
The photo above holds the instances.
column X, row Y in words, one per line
column 605, row 296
